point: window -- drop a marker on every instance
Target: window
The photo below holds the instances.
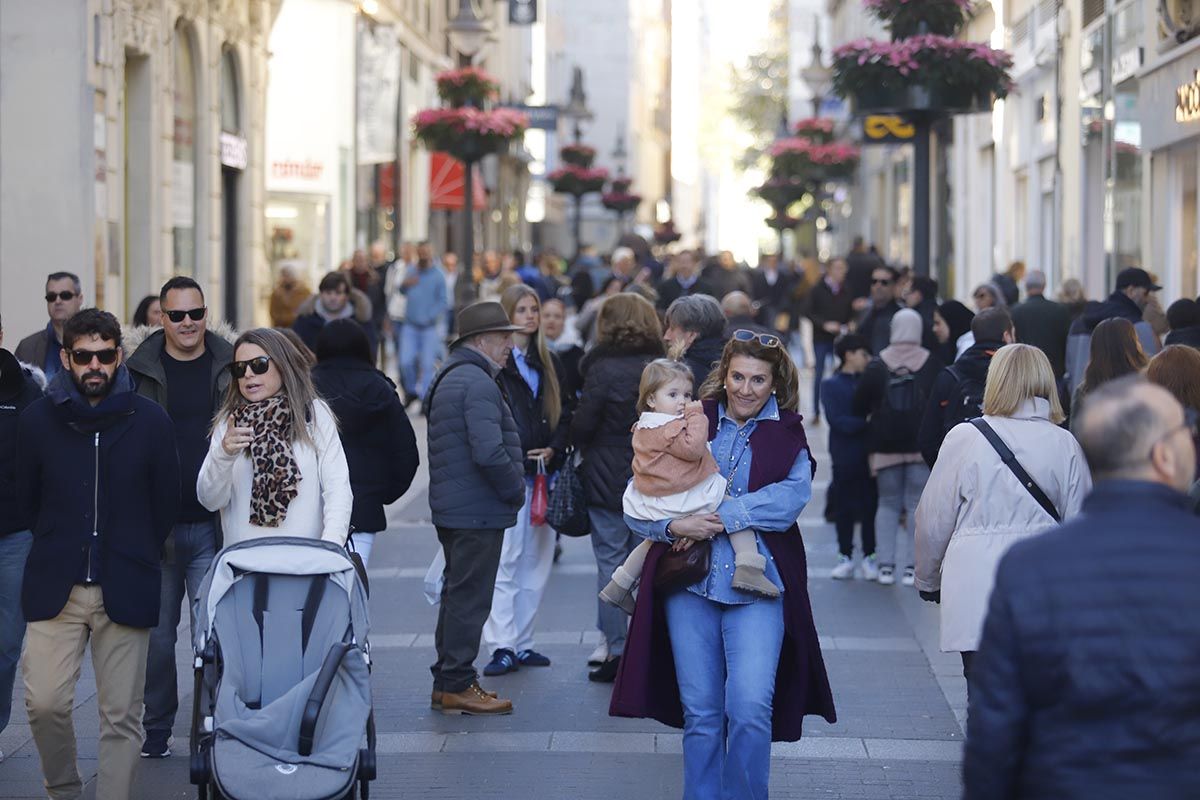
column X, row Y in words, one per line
column 184, row 148
column 231, row 117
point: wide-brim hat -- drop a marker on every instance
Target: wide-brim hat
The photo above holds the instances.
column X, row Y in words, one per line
column 484, row 317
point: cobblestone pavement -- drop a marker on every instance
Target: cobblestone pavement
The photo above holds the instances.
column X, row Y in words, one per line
column 900, row 702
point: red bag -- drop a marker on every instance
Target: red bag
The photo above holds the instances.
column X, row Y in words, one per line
column 541, row 496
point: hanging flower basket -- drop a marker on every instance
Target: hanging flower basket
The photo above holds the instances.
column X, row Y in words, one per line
column 905, row 17
column 666, row 234
column 579, row 155
column 802, row 159
column 468, row 133
column 467, row 86
column 815, row 129
column 621, row 185
column 578, row 181
column 620, row 202
column 782, row 191
column 782, row 222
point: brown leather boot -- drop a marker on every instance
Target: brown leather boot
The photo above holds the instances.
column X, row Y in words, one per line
column 435, row 700
column 474, row 702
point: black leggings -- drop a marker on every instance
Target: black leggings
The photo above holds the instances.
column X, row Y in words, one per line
column 856, row 502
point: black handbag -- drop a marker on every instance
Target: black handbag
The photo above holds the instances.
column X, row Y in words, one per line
column 678, row 569
column 567, row 511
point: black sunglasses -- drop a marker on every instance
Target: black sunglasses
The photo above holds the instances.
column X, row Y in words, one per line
column 195, row 313
column 881, row 281
column 84, row 357
column 52, row 296
column 258, row 366
column 765, row 339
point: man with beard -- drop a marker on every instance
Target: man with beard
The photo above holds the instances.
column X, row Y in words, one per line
column 99, row 481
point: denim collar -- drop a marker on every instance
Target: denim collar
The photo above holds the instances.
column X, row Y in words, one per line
column 770, row 410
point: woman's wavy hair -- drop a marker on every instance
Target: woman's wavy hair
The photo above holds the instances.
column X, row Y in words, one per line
column 627, row 321
column 1176, row 368
column 297, row 385
column 1115, row 352
column 785, row 378
column 551, row 392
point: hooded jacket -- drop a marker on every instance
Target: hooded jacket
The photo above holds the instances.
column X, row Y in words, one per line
column 972, row 364
column 702, row 357
column 102, row 493
column 18, row 390
column 309, row 320
column 1118, row 305
column 904, row 354
column 1189, row 337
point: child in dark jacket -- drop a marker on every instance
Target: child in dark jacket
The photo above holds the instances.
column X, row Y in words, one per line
column 856, row 495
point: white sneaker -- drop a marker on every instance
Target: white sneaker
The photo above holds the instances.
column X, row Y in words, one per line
column 909, row 578
column 844, row 569
column 870, row 568
column 887, row 576
column 599, row 655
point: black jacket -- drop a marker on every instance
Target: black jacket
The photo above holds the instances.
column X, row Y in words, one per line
column 1044, row 324
column 825, row 306
column 532, row 423
column 973, row 363
column 702, row 357
column 876, row 326
column 671, row 290
column 868, row 400
column 723, row 281
column 1185, row 336
column 102, row 491
column 18, row 390
column 1085, row 686
column 772, row 300
column 858, row 276
column 145, row 365
column 381, row 448
column 603, row 421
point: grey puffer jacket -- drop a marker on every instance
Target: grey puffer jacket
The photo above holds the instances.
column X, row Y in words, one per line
column 476, row 475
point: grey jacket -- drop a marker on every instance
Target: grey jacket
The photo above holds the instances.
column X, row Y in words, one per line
column 476, row 474
column 146, row 365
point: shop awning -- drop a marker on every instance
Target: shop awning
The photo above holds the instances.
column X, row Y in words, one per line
column 446, row 176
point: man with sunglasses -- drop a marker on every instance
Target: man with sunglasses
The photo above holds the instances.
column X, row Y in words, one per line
column 63, row 301
column 182, row 368
column 876, row 324
column 100, row 483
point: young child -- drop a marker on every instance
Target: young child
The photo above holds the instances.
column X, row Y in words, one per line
column 675, row 475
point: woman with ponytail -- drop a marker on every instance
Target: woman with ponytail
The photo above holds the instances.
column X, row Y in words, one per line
column 532, row 381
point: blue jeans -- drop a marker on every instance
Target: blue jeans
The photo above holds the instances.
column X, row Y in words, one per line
column 822, row 352
column 725, row 662
column 612, row 542
column 419, row 351
column 14, row 549
column 189, row 551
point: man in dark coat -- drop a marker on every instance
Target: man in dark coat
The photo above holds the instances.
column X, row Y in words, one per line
column 335, row 299
column 695, row 334
column 685, row 280
column 64, row 298
column 922, row 297
column 861, row 264
column 1085, row 686
column 876, row 323
column 831, row 308
column 1043, row 323
column 1128, row 301
column 100, row 482
column 725, row 275
column 1183, row 317
column 772, row 292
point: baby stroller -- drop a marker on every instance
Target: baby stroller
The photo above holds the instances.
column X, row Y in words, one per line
column 282, row 702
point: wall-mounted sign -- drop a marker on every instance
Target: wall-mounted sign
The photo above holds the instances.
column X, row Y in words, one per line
column 234, row 151
column 880, row 129
column 1187, row 100
column 1126, row 65
column 522, row 12
column 541, row 117
column 306, row 170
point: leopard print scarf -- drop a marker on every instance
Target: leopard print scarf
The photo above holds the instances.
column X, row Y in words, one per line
column 276, row 475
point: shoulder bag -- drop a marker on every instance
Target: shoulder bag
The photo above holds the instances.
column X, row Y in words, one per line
column 1011, row 462
column 679, row 569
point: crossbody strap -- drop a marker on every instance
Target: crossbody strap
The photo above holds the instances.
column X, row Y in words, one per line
column 1011, row 462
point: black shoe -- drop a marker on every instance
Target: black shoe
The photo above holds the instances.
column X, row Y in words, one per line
column 503, row 662
column 532, row 658
column 606, row 672
column 157, row 744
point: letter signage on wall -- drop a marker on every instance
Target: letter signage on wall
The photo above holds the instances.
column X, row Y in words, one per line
column 1187, row 100
column 880, row 129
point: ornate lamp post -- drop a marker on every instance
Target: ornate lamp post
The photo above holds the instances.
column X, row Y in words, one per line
column 468, row 33
column 578, row 112
column 816, row 76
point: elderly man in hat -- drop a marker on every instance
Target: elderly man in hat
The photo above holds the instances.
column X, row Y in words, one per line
column 476, row 488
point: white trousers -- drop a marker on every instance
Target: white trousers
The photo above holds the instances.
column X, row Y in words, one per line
column 525, row 561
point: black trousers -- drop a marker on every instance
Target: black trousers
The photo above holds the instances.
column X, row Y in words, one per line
column 856, row 502
column 472, row 558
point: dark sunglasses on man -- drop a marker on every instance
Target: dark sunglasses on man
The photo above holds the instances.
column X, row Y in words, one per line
column 881, row 281
column 64, row 296
column 258, row 366
column 196, row 314
column 84, row 357
column 765, row 339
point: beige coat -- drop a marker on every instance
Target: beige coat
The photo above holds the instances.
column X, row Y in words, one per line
column 973, row 509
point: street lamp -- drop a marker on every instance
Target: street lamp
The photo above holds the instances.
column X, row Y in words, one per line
column 619, row 153
column 817, row 76
column 468, row 33
column 578, row 112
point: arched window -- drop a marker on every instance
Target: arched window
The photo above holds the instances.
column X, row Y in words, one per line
column 231, row 115
column 183, row 168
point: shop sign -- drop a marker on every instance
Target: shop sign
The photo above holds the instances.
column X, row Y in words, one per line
column 306, row 170
column 234, row 151
column 1126, row 65
column 522, row 12
column 1187, row 101
column 884, row 129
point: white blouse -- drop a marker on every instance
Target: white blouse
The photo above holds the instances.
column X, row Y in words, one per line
column 321, row 509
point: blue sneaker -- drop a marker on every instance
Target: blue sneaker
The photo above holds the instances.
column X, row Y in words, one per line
column 503, row 662
column 532, row 658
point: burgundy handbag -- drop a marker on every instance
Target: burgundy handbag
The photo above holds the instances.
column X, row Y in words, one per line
column 679, row 569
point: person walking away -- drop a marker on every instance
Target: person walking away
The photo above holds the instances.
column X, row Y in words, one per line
column 952, row 329
column 975, row 506
column 424, row 287
column 725, row 275
column 275, row 465
column 695, row 334
column 772, row 294
column 957, row 394
column 1183, row 317
column 1071, row 295
column 377, row 438
column 335, row 299
column 18, row 390
column 858, row 500
column 377, row 268
column 892, row 394
column 684, row 280
column 861, row 265
column 43, row 349
column 1009, row 281
column 734, row 670
column 1084, row 685
column 1115, row 352
column 1043, row 323
column 532, row 379
column 1176, row 368
column 184, row 369
column 93, row 570
column 397, row 303
column 830, row 307
column 1128, row 301
column 628, row 338
column 289, row 294
column 876, row 323
column 476, row 488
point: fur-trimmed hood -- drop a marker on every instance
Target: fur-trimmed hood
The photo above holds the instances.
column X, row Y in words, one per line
column 132, row 336
column 358, row 299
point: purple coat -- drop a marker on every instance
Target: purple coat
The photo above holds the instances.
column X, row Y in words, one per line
column 646, row 684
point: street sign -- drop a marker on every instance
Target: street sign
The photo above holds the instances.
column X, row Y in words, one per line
column 522, row 12
column 541, row 117
column 880, row 129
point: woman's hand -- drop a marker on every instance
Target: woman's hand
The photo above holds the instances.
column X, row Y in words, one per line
column 698, row 527
column 236, row 440
column 682, row 544
column 546, row 453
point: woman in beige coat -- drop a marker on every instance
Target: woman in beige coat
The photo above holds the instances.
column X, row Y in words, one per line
column 974, row 508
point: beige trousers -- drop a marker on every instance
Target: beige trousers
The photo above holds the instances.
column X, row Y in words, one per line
column 53, row 656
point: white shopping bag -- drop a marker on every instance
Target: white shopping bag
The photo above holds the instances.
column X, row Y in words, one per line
column 435, row 578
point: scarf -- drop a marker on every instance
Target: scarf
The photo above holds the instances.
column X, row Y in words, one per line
column 276, row 475
column 905, row 351
column 329, row 316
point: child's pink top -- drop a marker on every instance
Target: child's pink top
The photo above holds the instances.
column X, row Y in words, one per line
column 672, row 457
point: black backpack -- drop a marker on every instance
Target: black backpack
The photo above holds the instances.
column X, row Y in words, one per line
column 901, row 407
column 965, row 401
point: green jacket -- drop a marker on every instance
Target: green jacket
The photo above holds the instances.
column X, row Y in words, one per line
column 146, row 366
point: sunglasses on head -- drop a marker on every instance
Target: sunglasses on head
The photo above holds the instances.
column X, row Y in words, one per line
column 765, row 339
column 84, row 357
column 195, row 313
column 52, row 296
column 258, row 366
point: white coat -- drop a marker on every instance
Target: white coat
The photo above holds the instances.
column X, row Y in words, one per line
column 973, row 509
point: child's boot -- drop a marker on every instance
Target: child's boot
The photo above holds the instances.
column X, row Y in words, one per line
column 619, row 591
column 750, row 576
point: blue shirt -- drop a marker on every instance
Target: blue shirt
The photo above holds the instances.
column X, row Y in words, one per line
column 532, row 378
column 427, row 299
column 53, row 362
column 773, row 508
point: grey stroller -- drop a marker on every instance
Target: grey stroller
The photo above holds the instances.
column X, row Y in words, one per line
column 282, row 701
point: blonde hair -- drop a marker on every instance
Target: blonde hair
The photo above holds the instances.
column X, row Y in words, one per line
column 657, row 374
column 785, row 379
column 551, row 392
column 1020, row 372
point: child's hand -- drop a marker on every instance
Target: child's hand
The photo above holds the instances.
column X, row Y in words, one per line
column 694, row 407
column 682, row 544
